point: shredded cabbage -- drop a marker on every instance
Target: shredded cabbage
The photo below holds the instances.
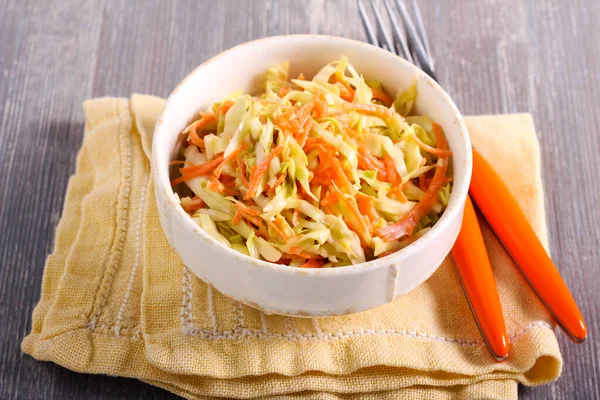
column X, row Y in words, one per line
column 406, row 99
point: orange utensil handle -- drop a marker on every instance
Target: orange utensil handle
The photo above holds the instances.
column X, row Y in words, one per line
column 475, row 274
column 508, row 221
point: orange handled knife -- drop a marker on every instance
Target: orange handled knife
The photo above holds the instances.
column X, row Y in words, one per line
column 504, row 215
column 477, row 279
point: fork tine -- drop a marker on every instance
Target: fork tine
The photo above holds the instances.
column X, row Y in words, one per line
column 422, row 33
column 371, row 35
column 397, row 34
column 414, row 39
column 388, row 40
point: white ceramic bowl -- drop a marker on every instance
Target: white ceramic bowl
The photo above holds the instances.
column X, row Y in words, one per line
column 288, row 290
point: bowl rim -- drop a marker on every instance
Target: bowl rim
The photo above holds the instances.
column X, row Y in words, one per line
column 455, row 204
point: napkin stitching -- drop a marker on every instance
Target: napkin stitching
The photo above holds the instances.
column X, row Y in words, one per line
column 111, row 328
column 211, row 308
column 264, row 324
column 239, row 331
column 123, row 206
column 290, row 325
column 258, row 334
column 317, row 327
column 136, row 262
column 186, row 304
column 238, row 323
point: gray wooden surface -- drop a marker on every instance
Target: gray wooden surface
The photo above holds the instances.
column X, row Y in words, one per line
column 494, row 56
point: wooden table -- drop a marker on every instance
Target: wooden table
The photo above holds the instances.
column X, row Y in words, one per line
column 492, row 57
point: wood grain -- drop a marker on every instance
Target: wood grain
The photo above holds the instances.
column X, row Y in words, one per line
column 492, row 56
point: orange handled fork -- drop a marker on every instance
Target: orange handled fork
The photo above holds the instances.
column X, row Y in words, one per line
column 505, row 217
column 477, row 280
column 471, row 261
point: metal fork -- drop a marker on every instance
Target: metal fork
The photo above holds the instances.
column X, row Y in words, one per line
column 414, row 48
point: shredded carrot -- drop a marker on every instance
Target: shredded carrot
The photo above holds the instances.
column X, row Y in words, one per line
column 277, row 229
column 242, row 168
column 406, row 225
column 313, row 263
column 338, row 204
column 390, row 169
column 275, row 103
column 323, row 180
column 225, row 107
column 394, row 178
column 236, row 218
column 312, row 143
column 280, row 222
column 346, row 94
column 280, row 179
column 193, row 136
column 350, row 132
column 215, row 185
column 397, row 193
column 194, row 205
column 285, row 259
column 380, row 95
column 320, row 104
column 255, row 220
column 288, row 121
column 234, row 154
column 301, row 77
column 229, row 191
column 227, row 180
column 249, row 215
column 372, row 109
column 367, row 207
column 318, row 141
column 322, row 177
column 303, row 117
column 195, row 139
column 206, row 119
column 303, row 114
column 306, row 131
column 247, row 210
column 432, row 150
column 387, row 253
column 346, row 91
column 334, row 163
column 369, row 162
column 423, row 182
column 283, row 122
column 258, row 172
column 193, row 171
column 283, row 90
column 297, row 251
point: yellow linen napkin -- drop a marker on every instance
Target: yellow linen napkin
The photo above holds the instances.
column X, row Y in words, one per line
column 117, row 300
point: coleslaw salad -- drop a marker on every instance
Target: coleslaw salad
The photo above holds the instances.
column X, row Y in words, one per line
column 321, row 173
